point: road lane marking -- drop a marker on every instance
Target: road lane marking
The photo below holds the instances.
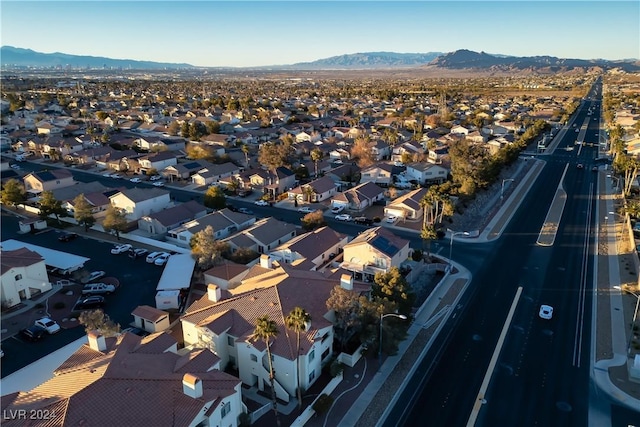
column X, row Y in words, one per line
column 480, row 400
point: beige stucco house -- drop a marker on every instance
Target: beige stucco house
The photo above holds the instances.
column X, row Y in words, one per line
column 24, row 275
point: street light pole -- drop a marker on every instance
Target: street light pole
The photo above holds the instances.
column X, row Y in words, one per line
column 453, row 233
column 382, row 316
column 502, row 188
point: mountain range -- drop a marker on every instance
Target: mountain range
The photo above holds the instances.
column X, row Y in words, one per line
column 459, row 60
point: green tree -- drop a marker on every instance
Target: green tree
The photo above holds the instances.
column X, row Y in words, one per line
column 428, row 234
column 297, row 321
column 266, row 330
column 49, row 205
column 115, row 220
column 316, row 155
column 206, row 250
column 97, row 320
column 350, row 311
column 82, row 212
column 393, row 287
column 13, row 193
column 213, row 126
column 214, row 198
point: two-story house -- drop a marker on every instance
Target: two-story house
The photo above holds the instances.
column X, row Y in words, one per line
column 23, row 276
column 427, row 173
column 359, row 197
column 407, row 206
column 379, row 173
column 273, row 182
column 375, row 250
column 157, row 161
column 316, row 191
column 316, row 248
column 48, row 180
column 224, row 222
column 215, row 173
column 138, row 202
column 134, row 381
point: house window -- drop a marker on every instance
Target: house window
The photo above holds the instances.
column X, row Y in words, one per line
column 230, row 341
column 226, row 409
column 17, row 277
column 254, row 358
column 312, row 355
column 312, row 375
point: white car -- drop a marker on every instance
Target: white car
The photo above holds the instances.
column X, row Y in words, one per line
column 155, row 177
column 93, row 276
column 344, row 217
column 337, row 209
column 153, row 256
column 136, row 180
column 391, row 219
column 162, row 259
column 261, row 203
column 158, row 184
column 107, row 175
column 546, row 312
column 306, row 210
column 98, row 288
column 48, row 325
column 120, row 249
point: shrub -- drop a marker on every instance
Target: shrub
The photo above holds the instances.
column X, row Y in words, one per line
column 376, row 219
column 335, row 368
column 417, row 255
column 322, row 404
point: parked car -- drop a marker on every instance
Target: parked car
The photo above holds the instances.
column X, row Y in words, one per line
column 67, row 237
column 93, row 276
column 98, row 288
column 33, row 333
column 363, row 220
column 137, row 253
column 546, row 312
column 306, row 210
column 244, row 193
column 89, row 303
column 344, row 217
column 245, row 211
column 261, row 203
column 151, row 258
column 136, row 180
column 337, row 209
column 391, row 219
column 120, row 249
column 580, row 166
column 158, row 184
column 155, row 177
column 48, row 325
column 162, row 259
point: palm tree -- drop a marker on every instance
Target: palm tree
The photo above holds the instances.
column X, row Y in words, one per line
column 245, row 150
column 265, row 330
column 316, row 156
column 297, row 321
column 428, row 234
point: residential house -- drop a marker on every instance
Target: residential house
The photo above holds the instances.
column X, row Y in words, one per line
column 359, row 197
column 273, row 183
column 183, row 171
column 150, row 319
column 138, row 202
column 407, row 206
column 159, row 223
column 227, row 275
column 380, row 149
column 316, row 191
column 130, row 380
column 380, row 173
column 263, row 236
column 375, row 250
column 225, row 325
column 315, row 247
column 410, row 149
column 426, row 173
column 157, row 161
column 344, row 175
column 47, row 180
column 224, row 223
column 23, row 276
column 161, row 143
column 215, row 173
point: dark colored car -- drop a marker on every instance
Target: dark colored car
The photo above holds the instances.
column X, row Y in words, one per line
column 33, row 333
column 244, row 193
column 67, row 237
column 137, row 253
column 363, row 220
column 89, row 303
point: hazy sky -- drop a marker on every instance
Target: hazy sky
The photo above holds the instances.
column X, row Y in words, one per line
column 255, row 33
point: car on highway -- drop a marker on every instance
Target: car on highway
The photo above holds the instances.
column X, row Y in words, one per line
column 306, row 209
column 120, row 249
column 135, row 253
column 135, row 180
column 337, row 209
column 546, row 312
column 67, row 237
column 344, row 217
column 33, row 333
column 93, row 276
column 158, row 184
column 97, row 289
column 89, row 303
column 162, row 259
column 151, row 258
column 261, row 203
column 48, row 325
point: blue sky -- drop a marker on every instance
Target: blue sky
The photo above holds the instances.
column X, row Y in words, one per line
column 256, row 33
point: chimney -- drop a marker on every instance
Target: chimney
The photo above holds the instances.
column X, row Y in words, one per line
column 192, row 386
column 346, row 281
column 213, row 292
column 265, row 261
column 96, row 341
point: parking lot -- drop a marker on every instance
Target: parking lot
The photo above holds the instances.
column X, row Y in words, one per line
column 137, row 283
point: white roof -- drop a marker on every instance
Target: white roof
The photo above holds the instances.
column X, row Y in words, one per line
column 53, row 258
column 177, row 273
